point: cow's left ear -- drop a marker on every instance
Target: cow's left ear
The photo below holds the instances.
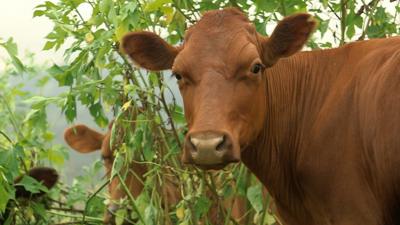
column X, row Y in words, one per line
column 288, row 37
column 149, row 50
column 45, row 175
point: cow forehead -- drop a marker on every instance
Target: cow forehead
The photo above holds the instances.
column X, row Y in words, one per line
column 219, row 24
column 219, row 38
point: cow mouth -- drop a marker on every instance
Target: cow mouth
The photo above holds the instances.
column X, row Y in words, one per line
column 215, row 166
column 211, row 167
column 208, row 164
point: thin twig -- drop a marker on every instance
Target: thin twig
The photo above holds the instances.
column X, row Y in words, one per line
column 181, row 12
column 67, row 209
column 333, row 11
column 94, row 195
column 164, row 102
column 343, row 9
column 8, row 138
column 132, row 199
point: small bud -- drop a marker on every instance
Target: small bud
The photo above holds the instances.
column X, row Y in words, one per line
column 89, row 38
column 180, row 213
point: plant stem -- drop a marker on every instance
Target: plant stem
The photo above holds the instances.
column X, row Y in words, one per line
column 343, row 10
column 6, row 137
column 132, row 199
column 92, row 196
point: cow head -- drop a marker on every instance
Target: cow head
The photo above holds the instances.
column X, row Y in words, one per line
column 219, row 69
column 84, row 139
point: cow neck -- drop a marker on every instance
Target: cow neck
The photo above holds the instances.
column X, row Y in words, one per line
column 296, row 88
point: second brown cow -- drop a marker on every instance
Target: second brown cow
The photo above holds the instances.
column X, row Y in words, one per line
column 84, row 139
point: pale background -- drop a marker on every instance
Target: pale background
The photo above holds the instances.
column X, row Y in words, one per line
column 16, row 21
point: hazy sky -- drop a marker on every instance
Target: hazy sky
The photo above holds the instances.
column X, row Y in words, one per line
column 16, row 21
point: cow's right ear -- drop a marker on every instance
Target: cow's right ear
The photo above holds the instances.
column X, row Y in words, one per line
column 149, row 50
column 83, row 139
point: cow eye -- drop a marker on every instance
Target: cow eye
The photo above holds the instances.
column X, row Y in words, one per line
column 256, row 68
column 177, row 76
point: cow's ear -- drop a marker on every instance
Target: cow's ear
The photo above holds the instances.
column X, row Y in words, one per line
column 48, row 176
column 83, row 139
column 45, row 175
column 149, row 50
column 288, row 37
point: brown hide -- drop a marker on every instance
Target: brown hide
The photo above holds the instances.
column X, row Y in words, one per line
column 84, row 139
column 320, row 129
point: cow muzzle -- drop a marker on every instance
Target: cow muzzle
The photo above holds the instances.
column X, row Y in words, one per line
column 210, row 150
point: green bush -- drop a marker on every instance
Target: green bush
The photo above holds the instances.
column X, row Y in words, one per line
column 97, row 75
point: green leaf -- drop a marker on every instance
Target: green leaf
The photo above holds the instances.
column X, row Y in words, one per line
column 178, row 115
column 42, row 82
column 120, row 216
column 120, row 31
column 95, row 206
column 9, row 159
column 323, row 26
column 5, row 196
column 37, row 13
column 153, row 78
column 358, row 21
column 96, row 110
column 105, row 6
column 266, row 5
column 201, row 207
column 40, row 102
column 241, row 184
column 31, row 114
column 56, row 72
column 155, row 5
column 70, row 108
column 117, row 164
column 39, row 209
column 49, row 45
column 112, row 16
column 255, row 197
column 76, row 3
column 12, row 51
column 56, row 157
column 148, row 147
column 350, row 31
column 11, row 47
column 31, row 185
column 100, row 61
column 150, row 213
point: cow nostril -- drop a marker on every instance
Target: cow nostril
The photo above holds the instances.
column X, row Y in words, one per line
column 221, row 145
column 193, row 144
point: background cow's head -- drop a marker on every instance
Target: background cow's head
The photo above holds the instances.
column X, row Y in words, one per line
column 84, row 139
column 219, row 69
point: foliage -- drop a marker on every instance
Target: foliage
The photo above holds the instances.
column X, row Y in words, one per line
column 97, row 75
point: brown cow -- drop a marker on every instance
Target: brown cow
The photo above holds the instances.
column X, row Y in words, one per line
column 320, row 129
column 84, row 139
